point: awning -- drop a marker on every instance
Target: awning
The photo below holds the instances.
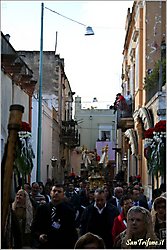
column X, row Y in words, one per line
column 132, row 136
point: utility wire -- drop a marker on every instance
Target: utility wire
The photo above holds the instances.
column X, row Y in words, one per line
column 99, row 27
column 65, row 17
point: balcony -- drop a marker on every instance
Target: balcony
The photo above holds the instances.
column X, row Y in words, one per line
column 124, row 119
column 14, row 66
column 69, row 134
column 156, row 79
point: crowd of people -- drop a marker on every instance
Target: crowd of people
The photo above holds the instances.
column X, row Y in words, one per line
column 74, row 216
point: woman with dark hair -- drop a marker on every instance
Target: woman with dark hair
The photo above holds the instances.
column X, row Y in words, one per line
column 89, row 241
column 42, row 191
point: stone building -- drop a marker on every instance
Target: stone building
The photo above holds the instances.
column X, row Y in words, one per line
column 57, row 98
column 96, row 127
column 144, row 54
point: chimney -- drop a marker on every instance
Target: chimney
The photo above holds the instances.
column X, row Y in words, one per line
column 7, row 36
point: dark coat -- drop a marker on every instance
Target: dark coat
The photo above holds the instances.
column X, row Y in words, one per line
column 113, row 201
column 63, row 237
column 143, row 203
column 100, row 224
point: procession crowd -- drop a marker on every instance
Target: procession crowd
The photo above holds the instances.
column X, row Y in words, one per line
column 75, row 216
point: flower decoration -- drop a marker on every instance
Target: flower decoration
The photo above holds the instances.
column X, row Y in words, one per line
column 25, row 127
column 160, row 126
column 98, row 158
column 138, row 177
column 155, row 148
column 24, row 156
column 149, row 133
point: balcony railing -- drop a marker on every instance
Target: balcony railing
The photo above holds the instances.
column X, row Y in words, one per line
column 125, row 118
column 155, row 80
column 69, row 133
column 151, row 92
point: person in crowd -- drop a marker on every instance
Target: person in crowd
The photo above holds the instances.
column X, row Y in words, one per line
column 89, row 241
column 118, row 193
column 74, row 200
column 159, row 218
column 162, row 187
column 41, row 188
column 83, row 193
column 135, row 195
column 23, row 211
column 141, row 189
column 27, row 187
column 121, row 102
column 42, row 191
column 91, row 196
column 107, row 193
column 47, row 188
column 98, row 218
column 54, row 222
column 72, row 195
column 35, row 197
column 156, row 193
column 139, row 231
column 10, row 238
column 125, row 187
column 129, row 190
column 128, row 99
column 35, row 194
column 120, row 222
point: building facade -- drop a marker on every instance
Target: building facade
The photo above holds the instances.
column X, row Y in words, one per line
column 144, row 55
column 17, row 88
column 97, row 129
column 57, row 99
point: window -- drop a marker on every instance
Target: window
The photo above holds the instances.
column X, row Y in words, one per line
column 105, row 136
column 105, row 133
column 137, row 69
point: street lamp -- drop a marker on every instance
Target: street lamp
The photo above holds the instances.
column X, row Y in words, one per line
column 124, row 160
column 89, row 31
column 38, row 176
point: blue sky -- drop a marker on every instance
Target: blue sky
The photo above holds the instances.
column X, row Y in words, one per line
column 92, row 63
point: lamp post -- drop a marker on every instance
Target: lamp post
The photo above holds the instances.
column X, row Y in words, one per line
column 38, row 175
column 89, row 31
column 125, row 161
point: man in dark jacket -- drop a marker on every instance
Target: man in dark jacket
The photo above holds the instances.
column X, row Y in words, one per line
column 137, row 201
column 98, row 218
column 115, row 200
column 54, row 223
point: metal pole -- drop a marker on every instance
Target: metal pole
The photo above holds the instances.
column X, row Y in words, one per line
column 38, row 175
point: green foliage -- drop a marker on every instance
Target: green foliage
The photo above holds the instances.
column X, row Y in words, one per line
column 151, row 80
column 156, row 160
column 24, row 157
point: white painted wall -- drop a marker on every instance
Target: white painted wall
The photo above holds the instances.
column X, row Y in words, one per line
column 20, row 97
column 46, row 141
column 6, row 101
column 46, row 145
column 10, row 94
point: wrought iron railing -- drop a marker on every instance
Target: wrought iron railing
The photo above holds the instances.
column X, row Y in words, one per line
column 69, row 133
